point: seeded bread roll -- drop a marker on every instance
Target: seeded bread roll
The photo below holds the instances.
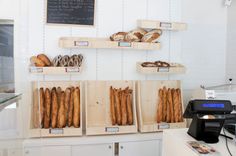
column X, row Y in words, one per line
column 42, row 99
column 37, row 62
column 129, row 107
column 160, row 106
column 152, row 36
column 71, row 108
column 120, row 36
column 61, row 119
column 47, row 114
column 112, row 106
column 76, row 113
column 117, row 107
column 67, row 103
column 54, row 111
column 135, row 35
column 123, row 108
column 45, row 59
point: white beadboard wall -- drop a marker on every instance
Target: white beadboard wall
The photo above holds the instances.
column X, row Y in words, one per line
column 202, row 48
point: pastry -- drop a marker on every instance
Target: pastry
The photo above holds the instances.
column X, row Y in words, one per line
column 117, row 107
column 76, row 113
column 61, row 118
column 180, row 119
column 160, row 106
column 47, row 114
column 64, row 61
column 120, row 36
column 67, row 102
column 135, row 35
column 164, row 111
column 41, row 101
column 112, row 107
column 37, row 62
column 54, row 111
column 45, row 59
column 56, row 61
column 71, row 107
column 129, row 107
column 152, row 36
column 123, row 106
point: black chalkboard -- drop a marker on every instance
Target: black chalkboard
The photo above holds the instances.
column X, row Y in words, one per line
column 79, row 12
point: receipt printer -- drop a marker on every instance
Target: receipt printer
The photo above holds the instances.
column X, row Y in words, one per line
column 208, row 117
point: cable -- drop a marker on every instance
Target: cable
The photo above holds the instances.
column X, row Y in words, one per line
column 226, row 143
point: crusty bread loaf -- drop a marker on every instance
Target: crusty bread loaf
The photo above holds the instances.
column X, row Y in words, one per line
column 180, row 115
column 176, row 105
column 42, row 100
column 123, row 108
column 135, row 35
column 164, row 111
column 160, row 106
column 47, row 114
column 61, row 119
column 71, row 108
column 152, row 36
column 117, row 106
column 45, row 59
column 120, row 36
column 67, row 103
column 37, row 62
column 76, row 112
column 129, row 107
column 54, row 111
column 112, row 106
column 171, row 106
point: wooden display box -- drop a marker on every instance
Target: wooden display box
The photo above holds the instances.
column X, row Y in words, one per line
column 151, row 24
column 97, row 105
column 147, row 104
column 104, row 43
column 55, row 70
column 173, row 69
column 36, row 129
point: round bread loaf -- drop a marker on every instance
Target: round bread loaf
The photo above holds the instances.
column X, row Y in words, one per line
column 135, row 35
column 120, row 36
column 37, row 62
column 45, row 59
column 152, row 36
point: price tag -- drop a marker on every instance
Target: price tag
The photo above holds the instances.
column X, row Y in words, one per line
column 112, row 129
column 163, row 69
column 56, row 131
column 72, row 70
column 166, row 25
column 164, row 125
column 210, row 94
column 81, row 43
column 124, row 44
column 36, row 70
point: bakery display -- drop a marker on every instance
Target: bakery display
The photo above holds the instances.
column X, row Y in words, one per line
column 121, row 112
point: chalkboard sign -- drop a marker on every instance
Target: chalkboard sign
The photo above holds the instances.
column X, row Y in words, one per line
column 79, row 12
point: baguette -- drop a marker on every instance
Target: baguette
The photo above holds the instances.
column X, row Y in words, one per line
column 112, row 107
column 67, row 103
column 71, row 107
column 117, row 107
column 180, row 119
column 54, row 111
column 164, row 116
column 35, row 110
column 47, row 109
column 123, row 108
column 76, row 113
column 176, row 105
column 160, row 106
column 42, row 99
column 61, row 119
column 129, row 107
column 171, row 106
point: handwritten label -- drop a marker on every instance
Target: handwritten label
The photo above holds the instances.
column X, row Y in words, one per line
column 124, row 44
column 81, row 43
column 210, row 94
column 112, row 129
column 36, row 70
column 163, row 69
column 72, row 69
column 163, row 125
column 56, row 131
column 166, row 25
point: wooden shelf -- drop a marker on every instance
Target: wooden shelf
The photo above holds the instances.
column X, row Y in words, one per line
column 103, row 43
column 147, row 99
column 174, row 69
column 55, row 70
column 151, row 24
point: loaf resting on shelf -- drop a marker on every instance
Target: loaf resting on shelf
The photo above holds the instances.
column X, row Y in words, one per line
column 169, row 108
column 121, row 111
column 59, row 108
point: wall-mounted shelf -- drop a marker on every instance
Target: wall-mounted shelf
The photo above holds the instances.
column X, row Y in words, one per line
column 55, row 70
column 173, row 69
column 104, row 43
column 7, row 99
column 151, row 24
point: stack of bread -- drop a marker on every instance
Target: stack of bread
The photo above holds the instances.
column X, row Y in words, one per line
column 121, row 106
column 59, row 108
column 169, row 107
column 137, row 35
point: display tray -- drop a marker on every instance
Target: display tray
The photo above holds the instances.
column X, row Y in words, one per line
column 55, row 70
column 174, row 68
column 36, row 128
column 147, row 105
column 152, row 24
column 98, row 114
column 104, row 43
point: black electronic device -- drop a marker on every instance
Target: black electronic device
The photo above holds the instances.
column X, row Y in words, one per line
column 208, row 117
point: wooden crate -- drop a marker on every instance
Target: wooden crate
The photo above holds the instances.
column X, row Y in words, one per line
column 97, row 107
column 55, row 70
column 151, row 24
column 147, row 103
column 35, row 127
column 104, row 43
column 174, row 69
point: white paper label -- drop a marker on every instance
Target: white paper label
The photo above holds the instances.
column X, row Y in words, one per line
column 81, row 43
column 163, row 69
column 112, row 129
column 210, row 94
column 56, row 131
column 165, row 25
column 36, row 70
column 124, row 44
column 72, row 70
column 164, row 126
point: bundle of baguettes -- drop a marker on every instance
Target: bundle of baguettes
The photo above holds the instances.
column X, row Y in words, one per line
column 59, row 108
column 169, row 107
column 121, row 106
